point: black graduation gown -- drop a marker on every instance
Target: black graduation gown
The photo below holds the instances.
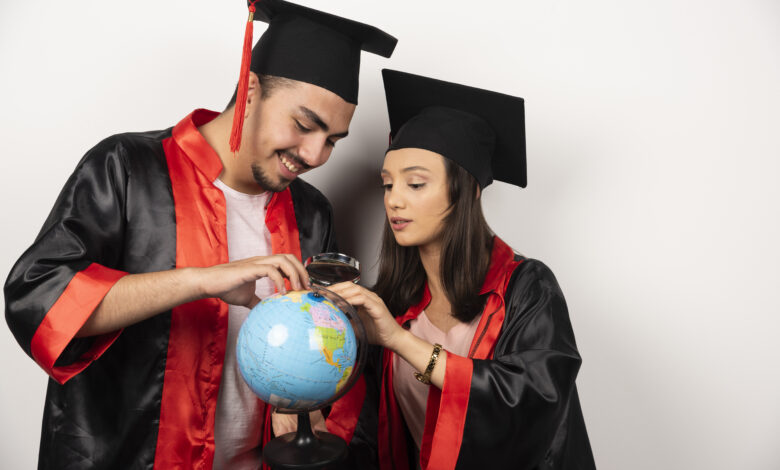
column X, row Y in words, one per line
column 146, row 396
column 512, row 403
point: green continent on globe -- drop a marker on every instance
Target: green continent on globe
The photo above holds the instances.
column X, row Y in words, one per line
column 344, row 378
column 331, row 340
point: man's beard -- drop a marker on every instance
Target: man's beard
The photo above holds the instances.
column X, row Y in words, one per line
column 265, row 182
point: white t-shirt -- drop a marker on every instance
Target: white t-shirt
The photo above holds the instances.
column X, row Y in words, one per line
column 239, row 418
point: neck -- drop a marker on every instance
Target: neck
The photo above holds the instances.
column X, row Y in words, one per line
column 217, row 135
column 430, row 256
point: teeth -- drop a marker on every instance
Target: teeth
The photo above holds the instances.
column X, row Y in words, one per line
column 289, row 165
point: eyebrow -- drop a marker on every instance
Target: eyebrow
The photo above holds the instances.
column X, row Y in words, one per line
column 408, row 169
column 317, row 120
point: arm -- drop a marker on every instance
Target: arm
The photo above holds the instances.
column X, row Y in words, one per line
column 383, row 330
column 520, row 396
column 136, row 297
column 71, row 283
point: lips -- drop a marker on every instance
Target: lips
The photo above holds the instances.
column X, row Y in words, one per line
column 397, row 223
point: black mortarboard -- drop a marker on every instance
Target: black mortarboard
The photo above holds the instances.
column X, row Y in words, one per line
column 310, row 46
column 480, row 130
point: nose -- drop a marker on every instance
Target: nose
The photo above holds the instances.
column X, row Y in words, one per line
column 393, row 199
column 314, row 150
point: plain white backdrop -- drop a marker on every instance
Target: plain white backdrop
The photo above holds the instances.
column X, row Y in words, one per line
column 653, row 135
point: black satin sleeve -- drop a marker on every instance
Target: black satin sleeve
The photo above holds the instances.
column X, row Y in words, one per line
column 523, row 411
column 85, row 226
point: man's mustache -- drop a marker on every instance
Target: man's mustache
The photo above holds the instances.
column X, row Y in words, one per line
column 295, row 159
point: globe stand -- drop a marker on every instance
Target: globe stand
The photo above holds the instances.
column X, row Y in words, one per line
column 303, row 449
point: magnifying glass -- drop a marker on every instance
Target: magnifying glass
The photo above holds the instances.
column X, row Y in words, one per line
column 327, row 269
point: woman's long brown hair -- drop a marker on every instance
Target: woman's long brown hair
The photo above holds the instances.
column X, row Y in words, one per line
column 466, row 246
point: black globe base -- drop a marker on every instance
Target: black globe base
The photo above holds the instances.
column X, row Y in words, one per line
column 304, row 450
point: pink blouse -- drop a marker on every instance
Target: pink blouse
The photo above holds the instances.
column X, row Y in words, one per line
column 412, row 395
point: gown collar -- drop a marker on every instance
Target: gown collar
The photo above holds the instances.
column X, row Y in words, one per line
column 501, row 259
column 191, row 141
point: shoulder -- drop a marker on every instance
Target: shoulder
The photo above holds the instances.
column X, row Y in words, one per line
column 308, row 199
column 532, row 272
column 532, row 284
column 536, row 310
column 127, row 148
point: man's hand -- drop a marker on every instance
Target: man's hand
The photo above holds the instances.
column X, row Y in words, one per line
column 234, row 282
column 283, row 423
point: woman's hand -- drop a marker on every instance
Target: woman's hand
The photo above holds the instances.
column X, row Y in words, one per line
column 381, row 327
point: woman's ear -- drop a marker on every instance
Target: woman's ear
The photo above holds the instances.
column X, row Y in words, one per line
column 479, row 191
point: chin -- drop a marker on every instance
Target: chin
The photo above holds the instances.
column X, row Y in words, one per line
column 405, row 240
column 262, row 180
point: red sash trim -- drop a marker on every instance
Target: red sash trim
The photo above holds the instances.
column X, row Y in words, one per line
column 281, row 223
column 446, row 414
column 446, row 409
column 391, row 436
column 198, row 330
column 344, row 413
column 72, row 309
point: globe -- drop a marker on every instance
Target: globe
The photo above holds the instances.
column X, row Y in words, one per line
column 299, row 351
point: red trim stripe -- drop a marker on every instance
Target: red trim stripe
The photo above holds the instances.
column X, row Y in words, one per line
column 446, row 408
column 65, row 318
column 391, row 435
column 345, row 412
column 281, row 223
column 446, row 415
column 198, row 331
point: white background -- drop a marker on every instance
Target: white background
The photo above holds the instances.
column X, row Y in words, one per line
column 653, row 157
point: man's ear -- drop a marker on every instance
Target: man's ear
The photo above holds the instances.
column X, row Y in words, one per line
column 253, row 94
column 479, row 191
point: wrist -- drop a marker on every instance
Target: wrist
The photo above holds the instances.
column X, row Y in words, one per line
column 399, row 340
column 195, row 282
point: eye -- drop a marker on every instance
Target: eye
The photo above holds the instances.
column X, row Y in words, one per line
column 387, row 186
column 300, row 126
column 330, row 143
column 416, row 185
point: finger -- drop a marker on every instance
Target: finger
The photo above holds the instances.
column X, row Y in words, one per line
column 290, row 271
column 344, row 289
column 255, row 300
column 302, row 272
column 272, row 273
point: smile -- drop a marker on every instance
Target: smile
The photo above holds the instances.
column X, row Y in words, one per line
column 288, row 164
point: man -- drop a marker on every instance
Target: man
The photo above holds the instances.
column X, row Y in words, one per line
column 123, row 298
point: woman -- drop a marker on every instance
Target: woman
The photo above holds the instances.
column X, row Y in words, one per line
column 479, row 359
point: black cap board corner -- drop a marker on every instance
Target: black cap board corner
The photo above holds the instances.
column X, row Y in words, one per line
column 483, row 131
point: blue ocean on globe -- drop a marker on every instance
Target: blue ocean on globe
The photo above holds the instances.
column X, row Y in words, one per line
column 296, row 350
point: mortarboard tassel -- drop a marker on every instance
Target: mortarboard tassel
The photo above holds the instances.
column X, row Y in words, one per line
column 243, row 83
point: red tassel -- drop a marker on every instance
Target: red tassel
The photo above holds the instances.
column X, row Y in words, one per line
column 243, row 83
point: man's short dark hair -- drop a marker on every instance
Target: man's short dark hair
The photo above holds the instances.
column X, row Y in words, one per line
column 268, row 83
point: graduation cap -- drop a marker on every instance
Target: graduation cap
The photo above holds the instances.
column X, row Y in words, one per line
column 480, row 130
column 306, row 45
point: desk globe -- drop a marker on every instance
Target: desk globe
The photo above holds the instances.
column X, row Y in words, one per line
column 300, row 352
